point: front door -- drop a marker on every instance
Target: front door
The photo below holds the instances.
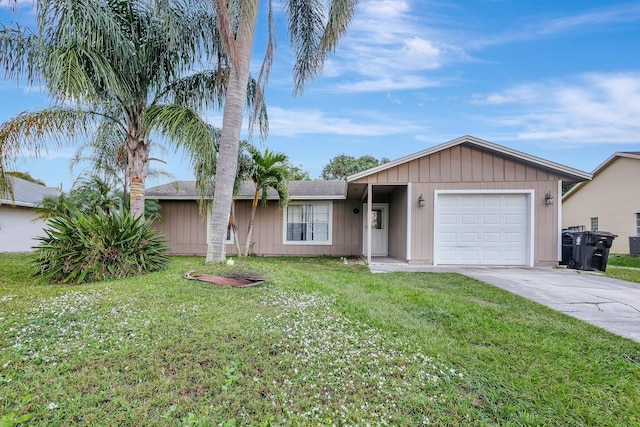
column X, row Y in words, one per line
column 379, row 223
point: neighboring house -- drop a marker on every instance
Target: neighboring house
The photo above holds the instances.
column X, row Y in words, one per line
column 19, row 225
column 609, row 202
column 466, row 201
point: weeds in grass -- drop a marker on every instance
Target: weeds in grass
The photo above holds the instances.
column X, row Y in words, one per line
column 68, row 324
column 346, row 371
column 321, row 343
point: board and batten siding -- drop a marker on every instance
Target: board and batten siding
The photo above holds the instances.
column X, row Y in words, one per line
column 186, row 230
column 268, row 231
column 470, row 168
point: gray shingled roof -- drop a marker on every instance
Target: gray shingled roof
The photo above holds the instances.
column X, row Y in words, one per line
column 27, row 193
column 298, row 190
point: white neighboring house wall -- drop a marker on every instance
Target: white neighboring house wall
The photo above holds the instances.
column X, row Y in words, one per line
column 19, row 225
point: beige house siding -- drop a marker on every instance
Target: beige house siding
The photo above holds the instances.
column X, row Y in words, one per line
column 469, row 168
column 268, row 231
column 186, row 230
column 183, row 226
column 613, row 197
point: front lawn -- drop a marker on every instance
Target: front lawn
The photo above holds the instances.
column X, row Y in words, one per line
column 320, row 343
column 625, row 267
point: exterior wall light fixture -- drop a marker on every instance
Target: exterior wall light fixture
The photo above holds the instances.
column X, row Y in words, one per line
column 548, row 198
column 421, row 201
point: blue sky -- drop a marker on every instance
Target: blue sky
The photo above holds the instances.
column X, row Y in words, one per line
column 555, row 79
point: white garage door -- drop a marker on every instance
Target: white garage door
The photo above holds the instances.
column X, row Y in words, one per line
column 482, row 229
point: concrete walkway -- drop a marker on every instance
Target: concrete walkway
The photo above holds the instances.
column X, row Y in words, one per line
column 611, row 304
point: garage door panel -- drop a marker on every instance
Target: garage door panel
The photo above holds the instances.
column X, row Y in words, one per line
column 491, row 229
column 514, row 219
column 489, row 256
column 491, row 237
column 469, row 255
column 516, row 238
column 469, row 202
column 469, row 219
column 491, row 219
column 469, row 238
column 448, row 219
column 490, row 201
column 448, row 238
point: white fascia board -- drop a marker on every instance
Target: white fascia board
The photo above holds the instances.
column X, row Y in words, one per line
column 566, row 170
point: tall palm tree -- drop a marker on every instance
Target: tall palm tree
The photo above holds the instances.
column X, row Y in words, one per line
column 314, row 30
column 270, row 171
column 125, row 66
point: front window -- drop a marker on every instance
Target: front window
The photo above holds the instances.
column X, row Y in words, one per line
column 638, row 224
column 308, row 223
column 594, row 223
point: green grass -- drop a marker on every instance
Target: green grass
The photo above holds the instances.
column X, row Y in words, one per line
column 319, row 343
column 625, row 267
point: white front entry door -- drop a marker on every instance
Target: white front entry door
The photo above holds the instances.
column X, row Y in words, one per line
column 379, row 223
column 482, row 229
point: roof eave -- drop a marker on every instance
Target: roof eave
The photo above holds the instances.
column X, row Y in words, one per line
column 18, row 203
column 563, row 170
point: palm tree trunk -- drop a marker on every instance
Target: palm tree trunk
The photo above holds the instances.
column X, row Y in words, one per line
column 231, row 127
column 254, row 206
column 138, row 155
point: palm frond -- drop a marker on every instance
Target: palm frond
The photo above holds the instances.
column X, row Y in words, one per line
column 202, row 89
column 84, row 48
column 340, row 15
column 305, row 18
column 185, row 127
column 314, row 33
column 20, row 55
column 30, row 133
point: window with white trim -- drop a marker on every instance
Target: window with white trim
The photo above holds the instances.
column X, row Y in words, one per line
column 308, row 223
column 638, row 224
column 594, row 223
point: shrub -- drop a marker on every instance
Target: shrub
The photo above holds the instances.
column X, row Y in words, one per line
column 86, row 247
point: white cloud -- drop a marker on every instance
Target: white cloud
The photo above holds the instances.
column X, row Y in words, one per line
column 592, row 108
column 388, row 83
column 291, row 123
column 388, row 49
column 534, row 27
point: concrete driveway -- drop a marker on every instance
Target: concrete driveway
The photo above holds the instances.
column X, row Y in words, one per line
column 611, row 304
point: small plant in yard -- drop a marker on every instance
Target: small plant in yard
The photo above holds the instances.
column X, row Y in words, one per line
column 85, row 247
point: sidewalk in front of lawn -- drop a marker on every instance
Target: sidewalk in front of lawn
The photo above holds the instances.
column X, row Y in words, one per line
column 611, row 304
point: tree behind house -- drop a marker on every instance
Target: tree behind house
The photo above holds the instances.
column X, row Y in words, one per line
column 342, row 166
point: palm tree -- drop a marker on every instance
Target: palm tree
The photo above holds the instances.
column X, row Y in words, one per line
column 270, row 170
column 125, row 67
column 314, row 32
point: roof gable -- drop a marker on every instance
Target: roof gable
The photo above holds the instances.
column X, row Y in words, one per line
column 570, row 173
column 634, row 155
column 27, row 193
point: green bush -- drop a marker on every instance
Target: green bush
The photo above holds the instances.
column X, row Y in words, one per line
column 84, row 247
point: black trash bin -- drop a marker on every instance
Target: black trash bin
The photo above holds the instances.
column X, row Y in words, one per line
column 591, row 250
column 567, row 248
